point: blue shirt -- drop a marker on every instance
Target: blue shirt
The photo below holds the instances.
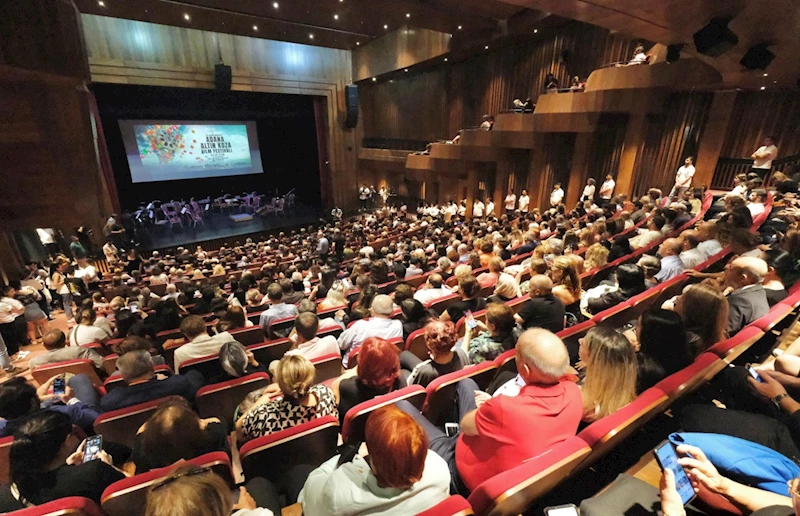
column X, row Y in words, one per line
column 671, row 266
column 275, row 312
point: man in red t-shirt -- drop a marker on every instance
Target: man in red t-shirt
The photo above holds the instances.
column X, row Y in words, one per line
column 500, row 433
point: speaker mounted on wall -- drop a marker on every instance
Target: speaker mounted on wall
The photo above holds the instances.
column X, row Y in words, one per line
column 351, row 100
column 758, row 57
column 222, row 77
column 715, row 38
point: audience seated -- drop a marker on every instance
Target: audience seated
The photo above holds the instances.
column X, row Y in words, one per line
column 46, row 463
column 402, row 476
column 55, row 342
column 747, row 300
column 142, row 384
column 567, row 283
column 380, row 324
column 649, row 235
column 85, row 332
column 307, row 343
column 498, row 335
column 236, row 362
column 278, row 309
column 704, row 312
column 199, row 342
column 440, row 339
column 609, row 361
column 435, row 289
column 301, row 401
column 629, row 283
column 469, row 289
column 671, row 264
column 780, row 265
column 505, row 290
column 661, row 345
column 543, row 309
column 414, row 316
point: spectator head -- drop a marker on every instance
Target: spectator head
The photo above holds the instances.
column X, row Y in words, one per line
column 275, row 293
column 499, row 319
column 707, row 231
column 17, row 398
column 650, row 265
column 190, row 490
column 541, row 357
column 690, row 239
column 54, row 339
column 745, row 270
column 670, row 247
column 782, row 267
column 172, row 433
column 413, row 311
column 610, row 371
column 704, row 310
column 496, row 264
column 656, row 222
column 398, row 448
column 540, row 285
column 440, row 337
column 193, row 326
column 402, row 292
column 743, row 240
column 295, row 376
column 596, row 256
column 172, row 289
column 435, row 280
column 306, row 306
column 506, row 287
column 40, row 440
column 758, row 195
column 469, row 287
column 487, row 247
column 306, row 324
column 538, row 266
column 233, row 358
column 444, row 263
column 286, row 285
column 134, row 343
column 88, row 316
column 136, row 366
column 382, row 306
column 630, row 279
column 378, row 364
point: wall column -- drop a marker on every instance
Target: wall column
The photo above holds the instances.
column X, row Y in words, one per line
column 719, row 117
column 577, row 173
column 472, row 185
column 504, row 169
column 537, row 180
column 631, row 153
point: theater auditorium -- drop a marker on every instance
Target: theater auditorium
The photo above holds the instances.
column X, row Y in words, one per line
column 399, row 257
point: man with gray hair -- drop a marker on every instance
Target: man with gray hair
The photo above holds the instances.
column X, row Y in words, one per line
column 747, row 300
column 380, row 324
column 434, row 289
column 509, row 429
column 143, row 385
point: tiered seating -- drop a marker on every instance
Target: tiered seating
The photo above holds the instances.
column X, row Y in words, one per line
column 41, row 374
column 452, row 506
column 120, row 426
column 221, row 399
column 71, row 506
column 356, row 418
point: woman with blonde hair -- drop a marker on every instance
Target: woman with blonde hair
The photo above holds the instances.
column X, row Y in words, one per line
column 302, row 401
column 610, row 363
column 489, row 278
column 567, row 283
column 704, row 311
column 505, row 289
column 596, row 257
column 335, row 297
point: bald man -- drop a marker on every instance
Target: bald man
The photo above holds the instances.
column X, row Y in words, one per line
column 434, row 289
column 709, row 245
column 499, row 433
column 671, row 264
column 747, row 301
column 543, row 309
column 380, row 324
column 690, row 255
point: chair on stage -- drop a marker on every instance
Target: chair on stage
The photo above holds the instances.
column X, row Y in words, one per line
column 172, row 217
column 279, row 206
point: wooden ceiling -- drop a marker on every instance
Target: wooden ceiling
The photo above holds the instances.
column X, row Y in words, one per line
column 330, row 23
column 776, row 22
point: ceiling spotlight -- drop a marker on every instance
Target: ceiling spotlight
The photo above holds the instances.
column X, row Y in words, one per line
column 486, row 47
column 445, row 59
column 385, row 26
column 358, row 43
column 405, row 69
column 275, row 5
column 535, row 31
column 460, row 27
column 763, row 88
column 374, row 79
column 255, row 27
column 335, row 16
column 408, row 15
column 766, row 75
column 101, row 3
column 186, row 16
column 310, row 36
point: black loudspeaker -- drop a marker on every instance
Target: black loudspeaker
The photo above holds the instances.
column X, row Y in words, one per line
column 758, row 57
column 715, row 38
column 222, row 77
column 674, row 52
column 351, row 98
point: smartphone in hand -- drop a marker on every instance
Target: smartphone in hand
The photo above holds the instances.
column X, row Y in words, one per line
column 59, row 386
column 754, row 374
column 668, row 458
column 469, row 320
column 92, row 447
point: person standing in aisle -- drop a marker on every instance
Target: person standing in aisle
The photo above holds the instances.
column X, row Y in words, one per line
column 510, row 202
column 683, row 180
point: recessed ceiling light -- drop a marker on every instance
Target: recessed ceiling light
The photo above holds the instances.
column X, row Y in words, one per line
column 374, row 79
column 358, row 43
column 275, row 5
column 766, row 75
column 255, row 27
column 408, row 15
column 101, row 3
column 459, row 27
column 535, row 31
column 186, row 16
column 310, row 36
column 486, row 47
column 385, row 26
column 445, row 59
column 763, row 88
column 335, row 16
column 405, row 69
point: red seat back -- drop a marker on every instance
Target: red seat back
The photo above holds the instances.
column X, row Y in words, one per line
column 5, row 450
column 440, row 393
column 221, row 399
column 453, row 505
column 248, row 336
column 281, row 328
column 71, row 506
column 268, row 351
column 207, row 366
column 120, row 426
column 115, row 380
column 41, row 374
column 415, row 343
column 274, row 455
column 443, row 303
column 356, row 418
column 327, row 367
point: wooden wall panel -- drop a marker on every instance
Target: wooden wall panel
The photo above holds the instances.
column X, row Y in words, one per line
column 758, row 114
column 134, row 52
column 401, row 48
column 605, row 150
column 486, row 83
column 671, row 137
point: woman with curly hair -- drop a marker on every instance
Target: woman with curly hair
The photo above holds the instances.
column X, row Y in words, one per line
column 440, row 338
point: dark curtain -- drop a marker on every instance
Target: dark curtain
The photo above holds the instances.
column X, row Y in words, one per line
column 103, row 159
column 321, row 119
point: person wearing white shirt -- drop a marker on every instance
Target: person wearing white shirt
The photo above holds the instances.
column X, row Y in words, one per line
column 86, row 272
column 756, row 204
column 477, row 208
column 524, row 202
column 510, row 202
column 380, row 324
column 86, row 332
column 462, row 209
column 690, row 255
column 489, row 208
column 557, row 195
column 683, row 179
column 762, row 158
column 199, row 342
column 607, row 190
column 588, row 190
column 307, row 343
column 436, row 289
column 111, row 252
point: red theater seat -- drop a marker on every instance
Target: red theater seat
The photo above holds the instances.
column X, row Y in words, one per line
column 127, row 497
column 41, row 374
column 461, row 328
column 455, row 505
column 327, row 367
column 165, row 335
column 415, row 343
column 221, row 399
column 689, row 378
column 442, row 304
column 274, row 455
column 169, row 351
column 268, row 351
column 110, row 363
column 115, row 380
column 513, row 491
column 506, row 362
column 440, row 393
column 71, row 506
column 330, row 312
column 775, row 317
column 120, row 426
column 248, row 336
column 207, row 365
column 280, row 328
column 731, row 348
column 356, row 418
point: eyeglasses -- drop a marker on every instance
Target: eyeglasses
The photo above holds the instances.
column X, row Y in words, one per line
column 189, row 473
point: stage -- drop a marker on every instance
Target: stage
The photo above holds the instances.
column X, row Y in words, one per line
column 219, row 227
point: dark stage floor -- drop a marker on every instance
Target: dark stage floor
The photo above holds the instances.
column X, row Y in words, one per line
column 218, row 225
